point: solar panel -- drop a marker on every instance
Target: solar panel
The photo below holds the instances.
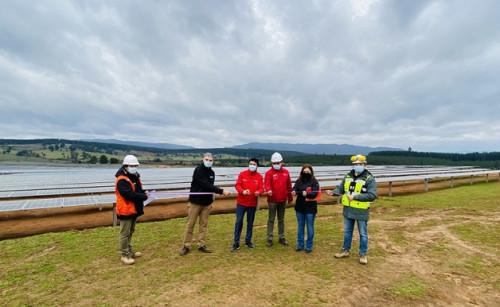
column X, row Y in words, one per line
column 56, row 187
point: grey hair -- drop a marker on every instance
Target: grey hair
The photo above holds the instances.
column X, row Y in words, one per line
column 209, row 155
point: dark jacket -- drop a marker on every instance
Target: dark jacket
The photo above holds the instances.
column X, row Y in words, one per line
column 306, row 204
column 203, row 181
column 125, row 189
column 368, row 193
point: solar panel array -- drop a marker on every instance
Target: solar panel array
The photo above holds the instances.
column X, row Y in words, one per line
column 25, row 188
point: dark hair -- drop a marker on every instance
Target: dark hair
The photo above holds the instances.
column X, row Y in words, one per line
column 309, row 166
column 254, row 160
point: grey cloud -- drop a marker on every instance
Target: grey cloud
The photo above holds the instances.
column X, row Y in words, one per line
column 220, row 73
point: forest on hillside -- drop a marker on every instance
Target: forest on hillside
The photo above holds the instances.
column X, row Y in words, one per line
column 83, row 152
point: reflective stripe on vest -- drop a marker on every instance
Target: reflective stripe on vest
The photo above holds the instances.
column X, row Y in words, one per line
column 123, row 206
column 354, row 188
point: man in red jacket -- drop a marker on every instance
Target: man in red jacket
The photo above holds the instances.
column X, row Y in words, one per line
column 249, row 187
column 278, row 185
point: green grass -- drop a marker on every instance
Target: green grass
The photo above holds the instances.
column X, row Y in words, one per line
column 479, row 234
column 83, row 267
column 410, row 286
column 482, row 196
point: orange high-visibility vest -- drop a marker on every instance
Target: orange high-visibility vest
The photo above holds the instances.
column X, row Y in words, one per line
column 123, row 206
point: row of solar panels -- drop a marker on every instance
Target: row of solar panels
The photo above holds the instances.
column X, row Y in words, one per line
column 91, row 188
column 41, row 203
column 104, row 177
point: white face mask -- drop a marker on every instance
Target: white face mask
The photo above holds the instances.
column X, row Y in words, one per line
column 277, row 166
column 132, row 170
column 207, row 163
column 252, row 167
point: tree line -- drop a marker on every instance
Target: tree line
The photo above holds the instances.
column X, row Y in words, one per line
column 96, row 152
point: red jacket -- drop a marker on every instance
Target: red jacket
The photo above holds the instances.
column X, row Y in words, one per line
column 252, row 181
column 280, row 183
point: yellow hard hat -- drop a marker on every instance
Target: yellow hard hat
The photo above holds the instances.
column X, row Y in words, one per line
column 358, row 159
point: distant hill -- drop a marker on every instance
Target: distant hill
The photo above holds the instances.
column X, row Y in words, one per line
column 141, row 144
column 329, row 149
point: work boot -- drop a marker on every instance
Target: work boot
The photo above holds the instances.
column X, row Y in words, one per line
column 184, row 251
column 204, row 249
column 362, row 259
column 342, row 253
column 283, row 241
column 269, row 243
column 127, row 259
column 134, row 253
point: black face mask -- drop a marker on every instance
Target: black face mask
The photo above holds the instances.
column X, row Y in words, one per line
column 306, row 176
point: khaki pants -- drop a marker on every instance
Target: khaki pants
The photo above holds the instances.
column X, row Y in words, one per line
column 195, row 211
column 127, row 229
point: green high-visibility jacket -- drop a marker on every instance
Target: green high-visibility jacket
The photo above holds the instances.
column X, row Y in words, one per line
column 364, row 189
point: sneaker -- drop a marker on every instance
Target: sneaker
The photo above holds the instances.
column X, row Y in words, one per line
column 250, row 245
column 135, row 254
column 204, row 249
column 308, row 251
column 127, row 259
column 362, row 259
column 235, row 247
column 269, row 243
column 342, row 253
column 283, row 241
column 184, row 251
column 298, row 249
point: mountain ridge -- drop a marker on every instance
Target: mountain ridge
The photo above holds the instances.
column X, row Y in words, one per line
column 329, row 149
column 142, row 144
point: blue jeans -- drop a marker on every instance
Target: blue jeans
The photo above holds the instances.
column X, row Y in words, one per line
column 240, row 213
column 363, row 235
column 305, row 220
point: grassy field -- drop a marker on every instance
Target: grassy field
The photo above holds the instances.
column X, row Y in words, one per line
column 433, row 249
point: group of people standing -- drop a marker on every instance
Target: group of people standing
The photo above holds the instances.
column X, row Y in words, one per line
column 358, row 188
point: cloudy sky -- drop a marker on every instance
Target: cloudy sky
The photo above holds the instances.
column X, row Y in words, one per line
column 397, row 73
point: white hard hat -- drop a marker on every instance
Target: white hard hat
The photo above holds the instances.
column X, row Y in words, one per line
column 130, row 160
column 358, row 159
column 276, row 157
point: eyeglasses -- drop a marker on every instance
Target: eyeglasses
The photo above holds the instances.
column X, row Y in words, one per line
column 276, row 163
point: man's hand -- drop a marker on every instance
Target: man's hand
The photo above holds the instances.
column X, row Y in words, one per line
column 331, row 193
column 270, row 193
column 225, row 192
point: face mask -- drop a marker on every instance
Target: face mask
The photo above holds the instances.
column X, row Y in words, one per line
column 277, row 166
column 132, row 170
column 306, row 176
column 252, row 167
column 207, row 164
column 359, row 169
